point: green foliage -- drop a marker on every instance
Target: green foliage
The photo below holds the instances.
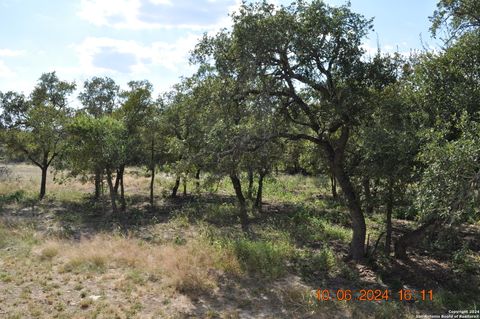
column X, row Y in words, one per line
column 100, row 96
column 96, row 143
column 323, row 261
column 263, row 258
column 457, row 16
column 310, row 227
column 34, row 127
column 449, row 184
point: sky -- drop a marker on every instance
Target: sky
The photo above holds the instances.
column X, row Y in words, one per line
column 151, row 39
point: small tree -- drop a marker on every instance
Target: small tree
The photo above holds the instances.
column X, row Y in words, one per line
column 97, row 144
column 99, row 97
column 35, row 126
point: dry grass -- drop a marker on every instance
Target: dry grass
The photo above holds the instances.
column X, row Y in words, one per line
column 26, row 177
column 193, row 267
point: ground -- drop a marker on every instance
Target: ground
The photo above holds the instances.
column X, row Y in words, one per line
column 188, row 258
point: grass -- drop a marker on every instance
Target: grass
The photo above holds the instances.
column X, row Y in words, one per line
column 186, row 268
column 189, row 258
column 263, row 258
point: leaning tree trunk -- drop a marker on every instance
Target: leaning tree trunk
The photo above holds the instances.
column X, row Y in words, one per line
column 412, row 238
column 175, row 187
column 241, row 201
column 357, row 246
column 335, row 156
column 388, row 237
column 258, row 200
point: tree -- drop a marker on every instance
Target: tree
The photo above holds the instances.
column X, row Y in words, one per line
column 389, row 146
column 309, row 57
column 99, row 97
column 35, row 126
column 444, row 90
column 153, row 139
column 134, row 112
column 183, row 123
column 98, row 143
column 457, row 16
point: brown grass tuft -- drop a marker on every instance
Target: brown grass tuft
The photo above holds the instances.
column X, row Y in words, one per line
column 49, row 250
column 192, row 267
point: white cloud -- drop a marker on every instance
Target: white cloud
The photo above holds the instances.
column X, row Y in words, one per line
column 5, row 71
column 139, row 57
column 11, row 53
column 386, row 49
column 369, row 50
column 157, row 14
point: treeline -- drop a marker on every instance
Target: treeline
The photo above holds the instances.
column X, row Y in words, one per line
column 291, row 88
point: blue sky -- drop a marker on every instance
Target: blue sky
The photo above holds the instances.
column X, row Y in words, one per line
column 150, row 39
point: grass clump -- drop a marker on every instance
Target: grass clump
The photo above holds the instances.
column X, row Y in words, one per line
column 87, row 262
column 325, row 260
column 49, row 251
column 264, row 258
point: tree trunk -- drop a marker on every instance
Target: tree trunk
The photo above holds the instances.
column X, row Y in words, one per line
column 175, row 187
column 197, row 181
column 117, row 182
column 123, row 204
column 357, row 246
column 258, row 200
column 184, row 186
column 98, row 185
column 411, row 239
column 113, row 193
column 152, row 181
column 152, row 169
column 368, row 196
column 241, row 201
column 333, row 183
column 43, row 182
column 388, row 237
column 335, row 156
column 250, row 184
